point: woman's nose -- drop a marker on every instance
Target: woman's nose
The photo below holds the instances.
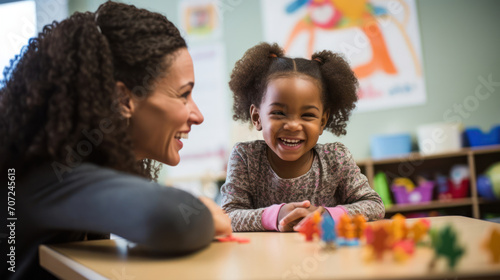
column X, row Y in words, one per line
column 195, row 116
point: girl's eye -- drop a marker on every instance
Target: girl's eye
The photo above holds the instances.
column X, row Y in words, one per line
column 278, row 113
column 309, row 115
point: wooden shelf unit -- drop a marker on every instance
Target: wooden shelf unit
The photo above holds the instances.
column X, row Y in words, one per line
column 478, row 159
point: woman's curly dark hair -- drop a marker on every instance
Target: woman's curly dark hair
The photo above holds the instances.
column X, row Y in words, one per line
column 264, row 62
column 58, row 102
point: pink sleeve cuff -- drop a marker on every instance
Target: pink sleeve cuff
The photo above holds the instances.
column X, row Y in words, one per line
column 270, row 217
column 336, row 212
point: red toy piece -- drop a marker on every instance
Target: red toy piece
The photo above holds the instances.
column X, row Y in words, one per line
column 232, row 238
column 308, row 228
column 379, row 243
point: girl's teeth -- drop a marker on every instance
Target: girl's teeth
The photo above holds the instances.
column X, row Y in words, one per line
column 290, row 142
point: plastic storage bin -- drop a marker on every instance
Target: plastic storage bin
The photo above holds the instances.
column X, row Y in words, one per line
column 439, row 138
column 422, row 193
column 384, row 146
column 476, row 137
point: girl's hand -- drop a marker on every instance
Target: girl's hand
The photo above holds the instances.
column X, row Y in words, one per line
column 292, row 213
column 222, row 222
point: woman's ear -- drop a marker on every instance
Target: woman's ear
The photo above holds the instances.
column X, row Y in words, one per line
column 324, row 120
column 127, row 105
column 255, row 116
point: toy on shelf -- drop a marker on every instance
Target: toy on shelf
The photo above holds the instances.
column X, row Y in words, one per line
column 492, row 245
column 405, row 191
column 459, row 181
column 488, row 184
column 476, row 137
column 381, row 186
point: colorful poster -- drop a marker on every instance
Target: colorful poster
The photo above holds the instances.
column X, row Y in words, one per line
column 380, row 40
column 200, row 19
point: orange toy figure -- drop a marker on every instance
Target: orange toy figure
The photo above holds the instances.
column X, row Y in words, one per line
column 398, row 228
column 492, row 244
column 359, row 226
column 419, row 230
column 344, row 226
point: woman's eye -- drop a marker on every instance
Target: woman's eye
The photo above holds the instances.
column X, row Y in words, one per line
column 186, row 94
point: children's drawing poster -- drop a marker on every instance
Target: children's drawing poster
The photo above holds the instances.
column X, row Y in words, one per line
column 380, row 40
column 200, row 19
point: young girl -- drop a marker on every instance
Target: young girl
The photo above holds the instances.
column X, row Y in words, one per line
column 272, row 184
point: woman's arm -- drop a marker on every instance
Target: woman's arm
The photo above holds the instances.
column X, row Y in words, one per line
column 101, row 200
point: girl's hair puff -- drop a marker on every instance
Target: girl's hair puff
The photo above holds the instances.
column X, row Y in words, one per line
column 264, row 62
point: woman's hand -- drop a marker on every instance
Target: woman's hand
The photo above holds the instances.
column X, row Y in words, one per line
column 222, row 222
column 292, row 213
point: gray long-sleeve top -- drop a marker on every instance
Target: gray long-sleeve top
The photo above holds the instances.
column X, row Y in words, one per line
column 96, row 200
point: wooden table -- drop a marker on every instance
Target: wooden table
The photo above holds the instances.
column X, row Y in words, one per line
column 269, row 255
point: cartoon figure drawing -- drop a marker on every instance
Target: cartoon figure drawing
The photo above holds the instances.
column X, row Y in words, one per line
column 341, row 14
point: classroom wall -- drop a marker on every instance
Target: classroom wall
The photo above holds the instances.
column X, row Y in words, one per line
column 460, row 44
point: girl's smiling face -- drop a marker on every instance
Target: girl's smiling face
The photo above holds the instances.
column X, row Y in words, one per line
column 291, row 117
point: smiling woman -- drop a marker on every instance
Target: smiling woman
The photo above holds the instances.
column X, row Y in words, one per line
column 85, row 112
column 159, row 122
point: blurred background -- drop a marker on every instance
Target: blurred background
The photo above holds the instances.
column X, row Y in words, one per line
column 420, row 63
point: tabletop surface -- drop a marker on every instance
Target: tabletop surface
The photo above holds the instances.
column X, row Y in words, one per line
column 270, row 255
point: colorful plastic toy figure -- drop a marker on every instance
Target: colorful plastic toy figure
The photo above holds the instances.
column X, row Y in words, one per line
column 308, row 228
column 359, row 226
column 445, row 244
column 419, row 230
column 492, row 244
column 328, row 234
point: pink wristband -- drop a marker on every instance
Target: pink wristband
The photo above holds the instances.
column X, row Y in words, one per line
column 270, row 217
column 336, row 212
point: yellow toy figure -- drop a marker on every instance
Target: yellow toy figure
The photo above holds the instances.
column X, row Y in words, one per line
column 398, row 227
column 492, row 244
column 341, row 14
column 419, row 230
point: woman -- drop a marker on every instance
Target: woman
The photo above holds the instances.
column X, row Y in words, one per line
column 86, row 111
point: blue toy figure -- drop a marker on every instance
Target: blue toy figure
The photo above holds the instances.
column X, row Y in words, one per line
column 328, row 234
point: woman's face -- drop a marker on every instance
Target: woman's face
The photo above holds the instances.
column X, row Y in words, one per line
column 160, row 121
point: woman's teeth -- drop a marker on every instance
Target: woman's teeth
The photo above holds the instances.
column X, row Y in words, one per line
column 290, row 142
column 182, row 135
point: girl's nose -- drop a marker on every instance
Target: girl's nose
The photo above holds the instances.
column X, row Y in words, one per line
column 195, row 116
column 292, row 125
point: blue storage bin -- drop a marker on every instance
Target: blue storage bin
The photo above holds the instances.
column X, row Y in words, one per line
column 384, row 146
column 476, row 137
